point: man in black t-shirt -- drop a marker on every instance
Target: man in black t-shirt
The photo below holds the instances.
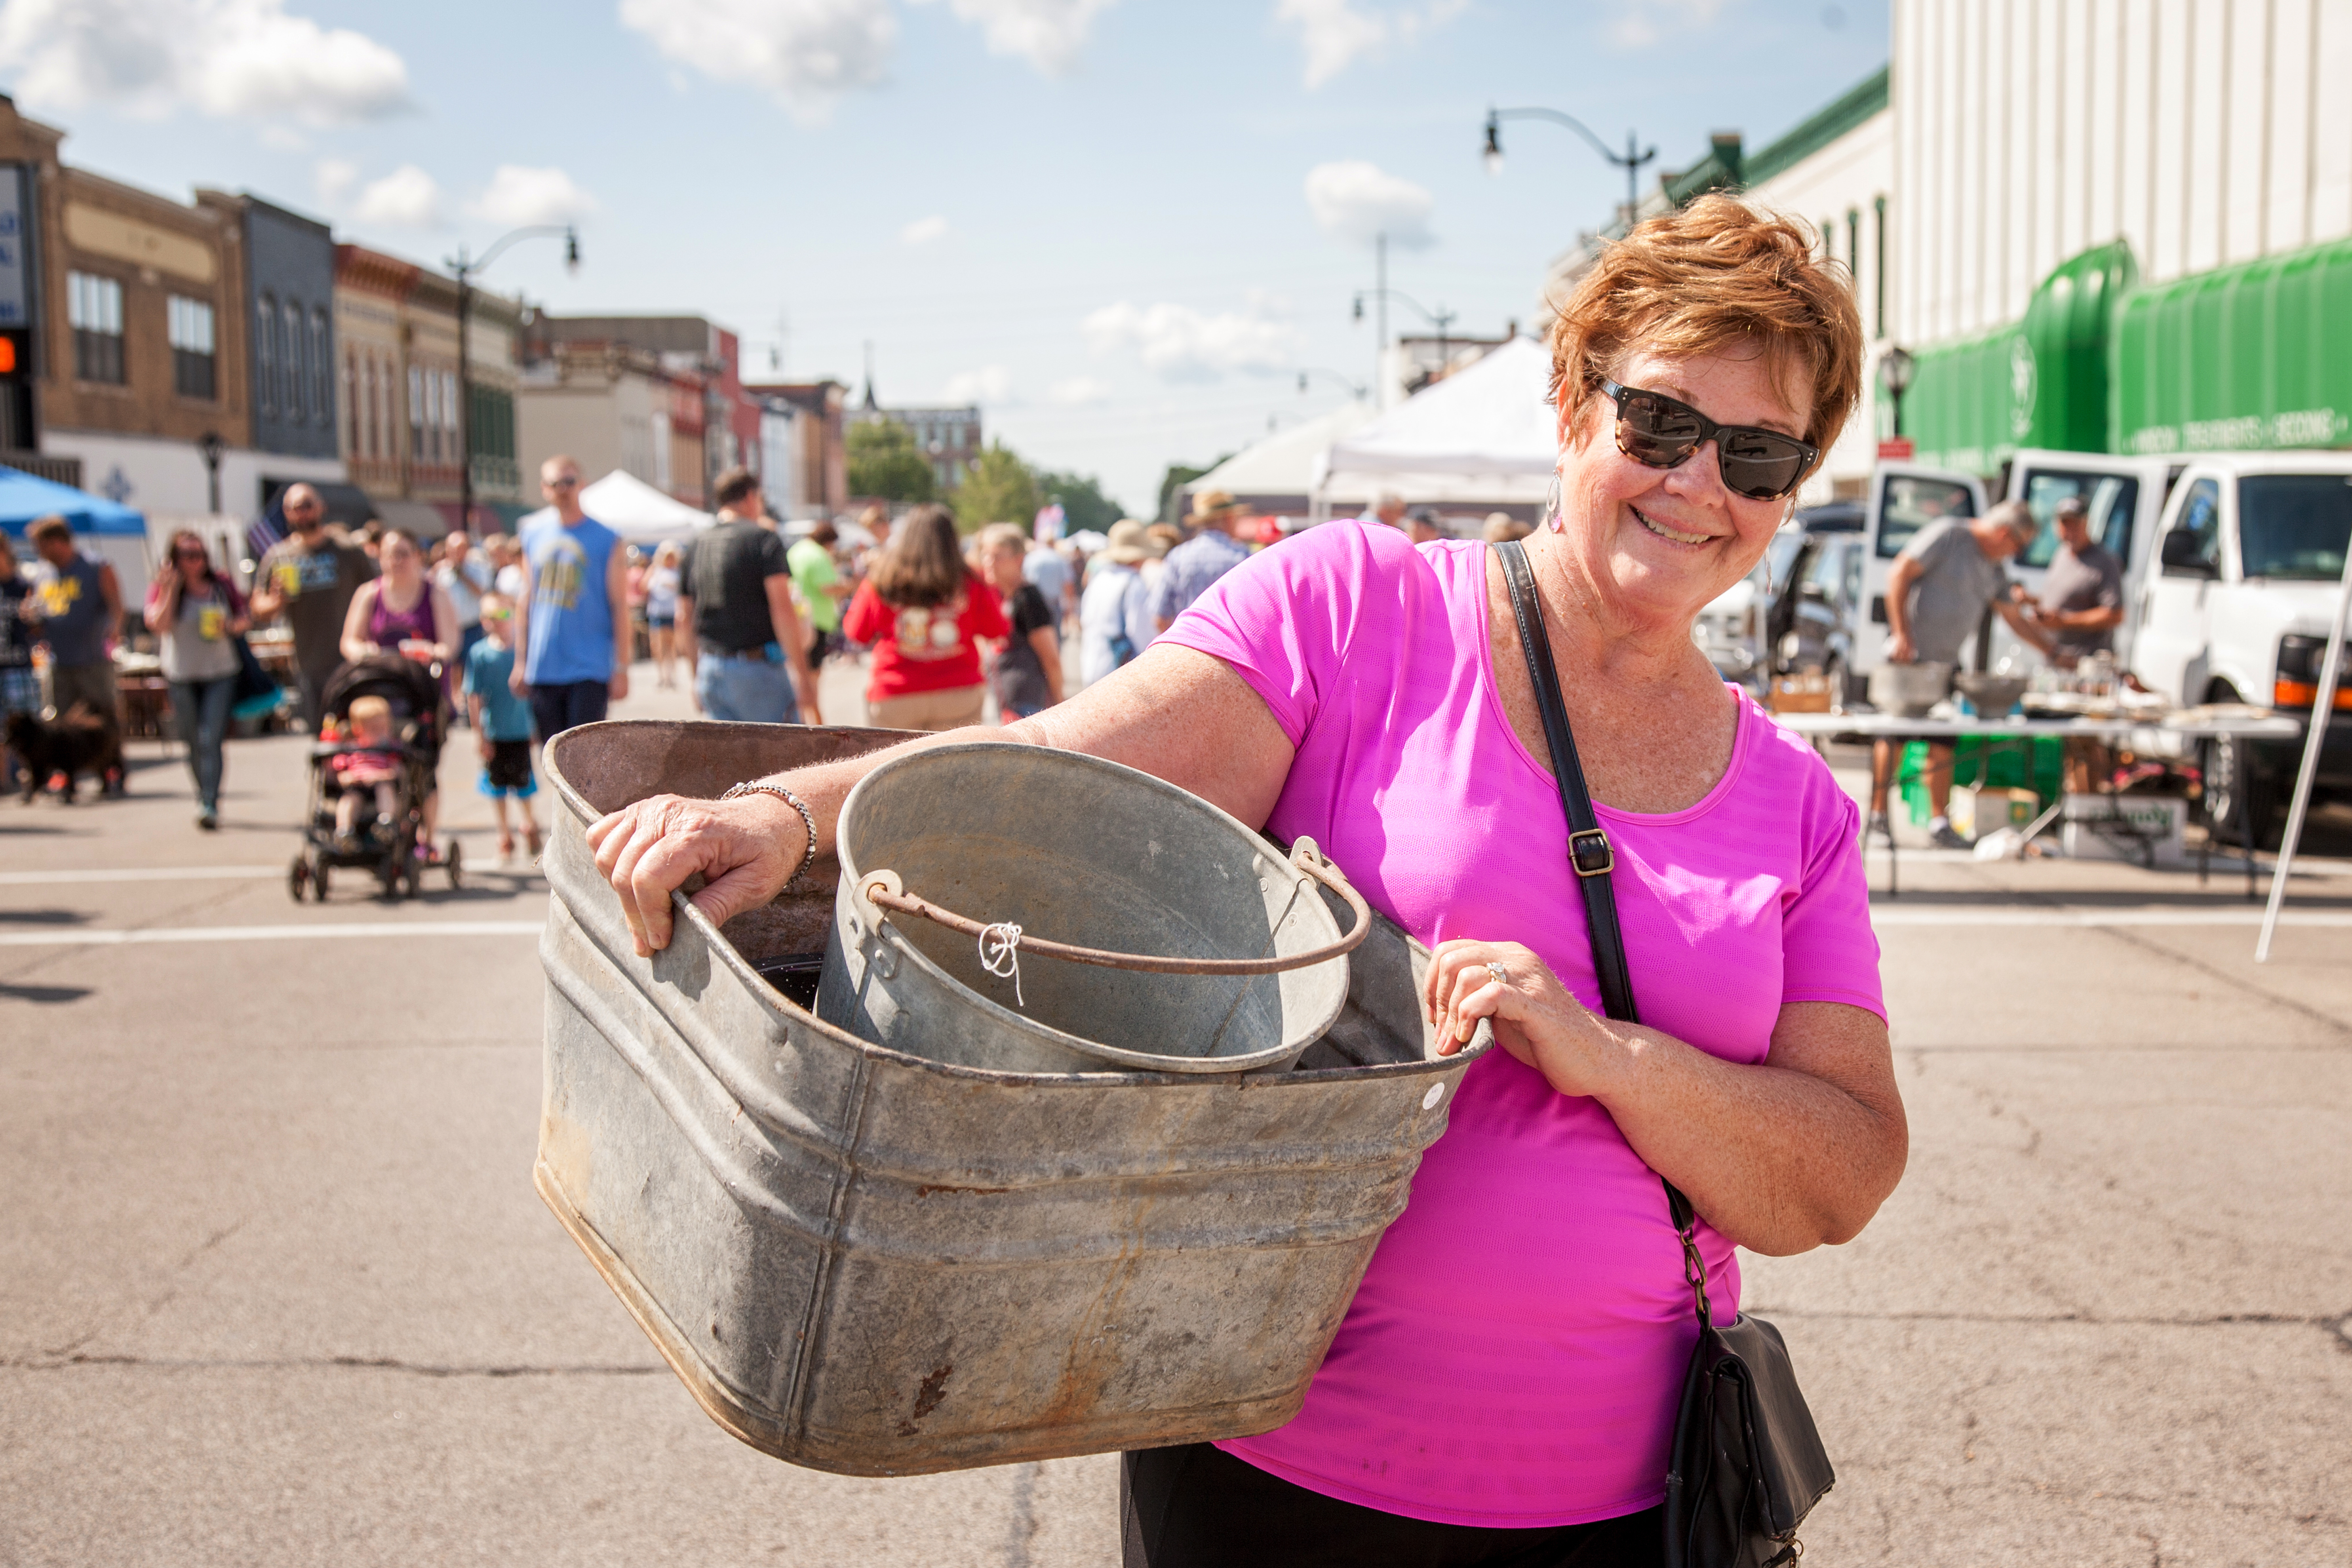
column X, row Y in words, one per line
column 735, row 591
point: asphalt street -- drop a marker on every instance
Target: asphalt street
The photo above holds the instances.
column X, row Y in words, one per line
column 275, row 1287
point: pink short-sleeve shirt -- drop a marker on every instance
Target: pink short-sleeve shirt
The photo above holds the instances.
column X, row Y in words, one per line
column 1515, row 1351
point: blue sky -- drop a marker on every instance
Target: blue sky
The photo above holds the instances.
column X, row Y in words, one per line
column 1092, row 216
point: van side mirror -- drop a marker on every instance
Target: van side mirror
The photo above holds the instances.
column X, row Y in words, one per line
column 2183, row 554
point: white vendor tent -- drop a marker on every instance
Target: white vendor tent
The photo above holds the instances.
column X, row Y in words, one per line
column 631, row 508
column 1278, row 473
column 1482, row 434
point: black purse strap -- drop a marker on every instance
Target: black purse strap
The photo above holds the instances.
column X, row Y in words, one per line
column 1590, row 858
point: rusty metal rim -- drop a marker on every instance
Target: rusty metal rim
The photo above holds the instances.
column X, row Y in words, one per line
column 881, row 889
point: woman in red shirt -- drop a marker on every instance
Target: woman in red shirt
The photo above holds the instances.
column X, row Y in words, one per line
column 921, row 607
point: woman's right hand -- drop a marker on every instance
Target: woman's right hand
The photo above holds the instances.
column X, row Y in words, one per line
column 746, row 849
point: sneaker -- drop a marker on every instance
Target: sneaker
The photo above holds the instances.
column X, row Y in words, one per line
column 1947, row 838
column 506, row 852
column 208, row 819
column 533, row 840
column 1878, row 826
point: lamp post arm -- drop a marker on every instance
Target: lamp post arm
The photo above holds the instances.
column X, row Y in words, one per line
column 1574, row 124
column 464, row 267
column 1440, row 319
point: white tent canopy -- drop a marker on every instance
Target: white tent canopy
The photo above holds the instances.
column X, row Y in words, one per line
column 631, row 508
column 1284, row 463
column 1484, row 434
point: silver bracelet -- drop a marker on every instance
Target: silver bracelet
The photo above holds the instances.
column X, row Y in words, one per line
column 808, row 819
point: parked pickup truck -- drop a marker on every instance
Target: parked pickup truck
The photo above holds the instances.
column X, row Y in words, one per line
column 2231, row 566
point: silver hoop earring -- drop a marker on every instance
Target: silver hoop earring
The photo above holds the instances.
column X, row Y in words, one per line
column 1551, row 517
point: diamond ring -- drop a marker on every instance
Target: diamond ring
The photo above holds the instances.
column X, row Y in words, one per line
column 1502, row 976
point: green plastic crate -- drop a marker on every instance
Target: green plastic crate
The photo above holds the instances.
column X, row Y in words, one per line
column 2038, row 763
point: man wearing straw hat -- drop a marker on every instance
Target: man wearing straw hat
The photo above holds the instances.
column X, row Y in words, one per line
column 1209, row 554
column 1114, row 620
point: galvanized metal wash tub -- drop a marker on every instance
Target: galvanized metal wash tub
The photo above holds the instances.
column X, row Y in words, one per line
column 1242, row 966
column 866, row 1261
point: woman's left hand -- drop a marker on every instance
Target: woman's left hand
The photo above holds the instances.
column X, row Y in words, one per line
column 1535, row 1018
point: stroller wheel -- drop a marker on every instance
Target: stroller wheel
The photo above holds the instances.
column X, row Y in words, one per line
column 452, row 854
column 319, row 880
column 411, row 880
column 297, row 879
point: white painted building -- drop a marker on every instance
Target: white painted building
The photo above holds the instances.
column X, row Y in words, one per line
column 2026, row 132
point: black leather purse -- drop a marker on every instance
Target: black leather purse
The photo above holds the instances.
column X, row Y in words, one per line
column 1748, row 1463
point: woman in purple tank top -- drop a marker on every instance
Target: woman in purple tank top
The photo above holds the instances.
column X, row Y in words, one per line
column 404, row 612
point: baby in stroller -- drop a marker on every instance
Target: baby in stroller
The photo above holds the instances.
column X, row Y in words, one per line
column 371, row 765
column 372, row 778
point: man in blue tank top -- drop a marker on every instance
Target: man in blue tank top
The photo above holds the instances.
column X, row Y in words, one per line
column 575, row 642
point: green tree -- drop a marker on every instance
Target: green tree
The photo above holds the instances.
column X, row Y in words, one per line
column 1178, row 474
column 1083, row 503
column 884, row 462
column 1000, row 488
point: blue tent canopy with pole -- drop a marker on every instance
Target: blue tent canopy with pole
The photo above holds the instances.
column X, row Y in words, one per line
column 25, row 498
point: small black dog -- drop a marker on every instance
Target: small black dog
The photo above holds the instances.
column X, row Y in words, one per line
column 80, row 740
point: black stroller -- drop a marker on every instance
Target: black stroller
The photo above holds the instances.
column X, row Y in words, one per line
column 413, row 691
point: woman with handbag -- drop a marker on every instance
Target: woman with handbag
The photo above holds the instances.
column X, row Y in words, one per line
column 198, row 614
column 1508, row 1384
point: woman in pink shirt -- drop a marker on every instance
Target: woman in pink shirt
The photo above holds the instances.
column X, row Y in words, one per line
column 1504, row 1387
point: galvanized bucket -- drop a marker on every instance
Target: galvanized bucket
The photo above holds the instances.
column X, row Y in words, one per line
column 867, row 1261
column 1205, row 949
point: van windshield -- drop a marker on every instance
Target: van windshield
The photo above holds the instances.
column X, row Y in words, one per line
column 2294, row 525
column 1909, row 502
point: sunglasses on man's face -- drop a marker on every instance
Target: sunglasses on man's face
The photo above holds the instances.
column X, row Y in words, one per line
column 1661, row 432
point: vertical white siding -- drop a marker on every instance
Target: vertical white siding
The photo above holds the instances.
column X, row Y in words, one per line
column 2204, row 132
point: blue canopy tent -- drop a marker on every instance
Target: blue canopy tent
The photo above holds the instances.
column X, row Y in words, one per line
column 24, row 497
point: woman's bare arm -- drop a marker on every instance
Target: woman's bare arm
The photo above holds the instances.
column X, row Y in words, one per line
column 1174, row 713
column 355, row 621
column 1784, row 1156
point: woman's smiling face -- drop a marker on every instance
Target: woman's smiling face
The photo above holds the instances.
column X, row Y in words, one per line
column 1660, row 544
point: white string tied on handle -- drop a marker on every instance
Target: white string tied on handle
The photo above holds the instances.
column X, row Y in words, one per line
column 1000, row 954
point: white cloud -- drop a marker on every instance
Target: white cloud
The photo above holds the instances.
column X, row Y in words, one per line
column 1354, row 200
column 1048, row 34
column 804, row 53
column 335, row 177
column 1079, row 390
column 1184, row 344
column 1336, row 32
column 924, row 230
column 518, row 196
column 405, row 198
column 1641, row 23
column 230, row 58
column 989, row 383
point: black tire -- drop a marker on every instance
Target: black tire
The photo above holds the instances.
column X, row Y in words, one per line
column 2229, row 767
column 319, row 880
column 297, row 879
column 412, row 875
column 452, row 864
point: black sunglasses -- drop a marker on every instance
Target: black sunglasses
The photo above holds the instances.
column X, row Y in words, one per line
column 1661, row 432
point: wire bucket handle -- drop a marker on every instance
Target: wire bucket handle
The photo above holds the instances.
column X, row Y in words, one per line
column 883, row 890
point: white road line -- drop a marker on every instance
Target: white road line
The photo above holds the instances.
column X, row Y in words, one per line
column 143, row 874
column 2020, row 915
column 375, row 930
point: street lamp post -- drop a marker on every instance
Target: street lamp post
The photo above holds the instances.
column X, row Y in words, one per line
column 465, row 266
column 1631, row 160
column 1356, row 389
column 209, row 447
column 1896, row 368
column 1441, row 317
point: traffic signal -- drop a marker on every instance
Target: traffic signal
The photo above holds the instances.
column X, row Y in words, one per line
column 16, row 354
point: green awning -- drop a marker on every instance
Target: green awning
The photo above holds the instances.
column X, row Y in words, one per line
column 2240, row 357
column 1963, row 409
column 2039, row 383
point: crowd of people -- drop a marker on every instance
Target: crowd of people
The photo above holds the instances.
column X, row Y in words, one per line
column 534, row 632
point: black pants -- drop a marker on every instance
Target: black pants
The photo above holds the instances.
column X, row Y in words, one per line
column 1198, row 1507
column 555, row 709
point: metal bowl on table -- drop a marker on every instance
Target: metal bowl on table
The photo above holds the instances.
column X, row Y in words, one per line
column 1908, row 690
column 1993, row 696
